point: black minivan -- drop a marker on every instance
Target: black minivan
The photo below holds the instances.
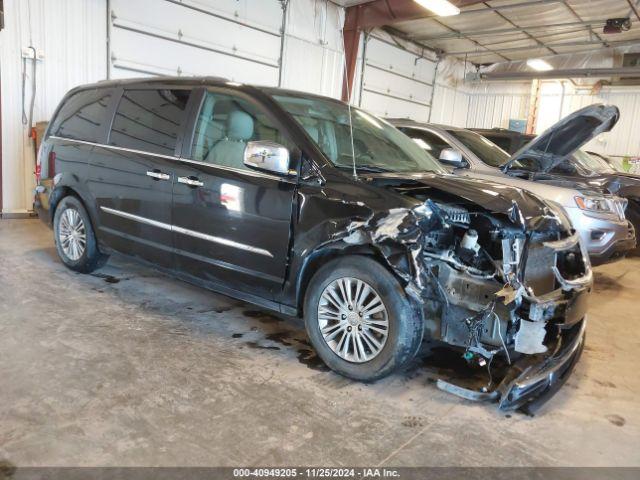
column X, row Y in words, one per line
column 310, row 207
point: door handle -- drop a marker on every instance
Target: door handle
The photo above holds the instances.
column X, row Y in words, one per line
column 191, row 181
column 158, row 175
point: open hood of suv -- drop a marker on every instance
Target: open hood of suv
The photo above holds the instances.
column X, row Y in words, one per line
column 565, row 137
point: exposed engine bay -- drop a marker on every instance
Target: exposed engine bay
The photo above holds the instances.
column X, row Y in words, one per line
column 493, row 284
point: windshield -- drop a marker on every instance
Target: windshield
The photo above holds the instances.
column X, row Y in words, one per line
column 591, row 163
column 487, row 151
column 378, row 146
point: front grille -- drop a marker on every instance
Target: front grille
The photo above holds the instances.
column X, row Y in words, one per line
column 620, row 205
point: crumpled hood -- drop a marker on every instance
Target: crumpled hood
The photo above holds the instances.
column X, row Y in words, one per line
column 568, row 135
column 522, row 207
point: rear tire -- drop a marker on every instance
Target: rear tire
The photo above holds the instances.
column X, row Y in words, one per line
column 379, row 334
column 74, row 237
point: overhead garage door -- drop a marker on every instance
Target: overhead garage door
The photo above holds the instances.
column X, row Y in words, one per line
column 396, row 82
column 235, row 39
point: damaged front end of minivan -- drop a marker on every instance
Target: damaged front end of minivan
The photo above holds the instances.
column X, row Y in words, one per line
column 505, row 278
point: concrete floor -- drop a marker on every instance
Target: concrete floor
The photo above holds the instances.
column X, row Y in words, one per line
column 130, row 367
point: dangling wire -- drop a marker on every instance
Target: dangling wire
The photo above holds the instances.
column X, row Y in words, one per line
column 346, row 82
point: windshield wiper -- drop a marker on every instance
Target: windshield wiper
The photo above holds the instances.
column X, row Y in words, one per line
column 365, row 168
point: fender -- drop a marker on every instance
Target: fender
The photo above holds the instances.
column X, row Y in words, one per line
column 67, row 183
column 323, row 254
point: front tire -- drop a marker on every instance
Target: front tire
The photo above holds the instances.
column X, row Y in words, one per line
column 359, row 319
column 74, row 237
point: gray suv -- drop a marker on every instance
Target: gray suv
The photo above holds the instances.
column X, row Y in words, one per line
column 598, row 217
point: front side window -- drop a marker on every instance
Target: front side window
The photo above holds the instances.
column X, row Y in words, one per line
column 149, row 120
column 83, row 116
column 487, row 151
column 375, row 146
column 225, row 124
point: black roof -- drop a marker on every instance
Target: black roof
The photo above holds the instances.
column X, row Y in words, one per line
column 150, row 81
column 194, row 81
column 504, row 131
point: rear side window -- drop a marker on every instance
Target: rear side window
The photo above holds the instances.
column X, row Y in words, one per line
column 429, row 141
column 83, row 116
column 149, row 120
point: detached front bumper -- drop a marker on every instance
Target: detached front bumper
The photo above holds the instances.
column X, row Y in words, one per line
column 533, row 380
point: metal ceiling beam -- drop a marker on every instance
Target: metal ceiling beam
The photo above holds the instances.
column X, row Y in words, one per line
column 552, row 45
column 634, row 9
column 539, row 37
column 539, row 42
column 510, row 6
column 376, row 14
column 381, row 13
column 556, row 74
column 487, row 49
column 501, row 31
column 589, row 29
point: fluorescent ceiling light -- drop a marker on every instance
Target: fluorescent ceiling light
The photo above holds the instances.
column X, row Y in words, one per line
column 442, row 8
column 539, row 65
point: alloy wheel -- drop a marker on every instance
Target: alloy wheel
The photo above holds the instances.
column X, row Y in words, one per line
column 72, row 234
column 353, row 319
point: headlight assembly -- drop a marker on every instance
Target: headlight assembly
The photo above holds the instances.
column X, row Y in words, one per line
column 593, row 204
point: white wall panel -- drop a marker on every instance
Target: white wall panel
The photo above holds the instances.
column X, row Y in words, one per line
column 313, row 59
column 168, row 58
column 492, row 105
column 450, row 106
column 386, row 106
column 239, row 40
column 71, row 35
column 396, row 82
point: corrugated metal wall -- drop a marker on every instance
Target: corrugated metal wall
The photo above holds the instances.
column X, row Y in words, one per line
column 71, row 36
column 492, row 105
column 450, row 106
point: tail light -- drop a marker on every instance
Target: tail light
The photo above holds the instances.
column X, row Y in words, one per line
column 51, row 165
column 38, row 171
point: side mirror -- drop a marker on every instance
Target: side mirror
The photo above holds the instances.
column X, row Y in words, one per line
column 267, row 156
column 451, row 156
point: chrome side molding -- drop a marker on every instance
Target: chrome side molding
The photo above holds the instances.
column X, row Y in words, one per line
column 186, row 231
